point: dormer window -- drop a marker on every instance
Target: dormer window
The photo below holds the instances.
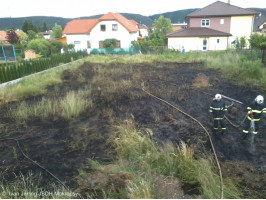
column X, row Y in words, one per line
column 205, row 23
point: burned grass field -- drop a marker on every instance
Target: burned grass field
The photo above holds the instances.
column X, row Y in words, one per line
column 70, row 130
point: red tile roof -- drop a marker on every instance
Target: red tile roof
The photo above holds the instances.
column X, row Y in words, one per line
column 219, row 8
column 197, row 32
column 80, row 26
column 3, row 36
column 128, row 24
column 86, row 25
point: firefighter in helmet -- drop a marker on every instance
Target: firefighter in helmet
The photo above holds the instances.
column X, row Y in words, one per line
column 255, row 111
column 218, row 109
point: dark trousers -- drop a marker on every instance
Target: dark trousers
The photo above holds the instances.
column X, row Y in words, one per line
column 247, row 126
column 216, row 124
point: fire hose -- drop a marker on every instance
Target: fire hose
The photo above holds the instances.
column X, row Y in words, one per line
column 215, row 155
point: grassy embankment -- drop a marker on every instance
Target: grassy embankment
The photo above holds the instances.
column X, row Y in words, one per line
column 144, row 158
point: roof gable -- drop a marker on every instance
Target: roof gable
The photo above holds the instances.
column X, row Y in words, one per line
column 128, row 24
column 219, row 8
column 197, row 32
column 80, row 26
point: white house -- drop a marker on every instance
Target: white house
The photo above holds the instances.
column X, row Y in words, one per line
column 214, row 27
column 47, row 34
column 87, row 34
column 143, row 30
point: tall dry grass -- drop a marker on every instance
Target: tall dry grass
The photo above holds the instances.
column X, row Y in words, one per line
column 72, row 105
column 138, row 148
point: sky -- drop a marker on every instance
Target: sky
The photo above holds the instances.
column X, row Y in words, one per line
column 81, row 8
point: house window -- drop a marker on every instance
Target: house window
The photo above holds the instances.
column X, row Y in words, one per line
column 218, row 40
column 88, row 44
column 101, row 46
column 103, row 28
column 76, row 42
column 221, row 21
column 114, row 27
column 205, row 22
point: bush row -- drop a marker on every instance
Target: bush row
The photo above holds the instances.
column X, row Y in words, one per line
column 27, row 67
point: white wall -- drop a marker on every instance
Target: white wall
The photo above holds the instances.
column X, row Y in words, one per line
column 214, row 45
column 121, row 34
column 144, row 32
column 241, row 26
column 189, row 44
column 196, row 43
column 79, row 40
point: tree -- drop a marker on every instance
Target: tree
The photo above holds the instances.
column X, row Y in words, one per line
column 162, row 26
column 258, row 41
column 12, row 37
column 31, row 34
column 57, row 31
column 143, row 45
column 44, row 27
column 109, row 43
column 23, row 38
column 56, row 46
column 241, row 43
column 27, row 25
column 41, row 46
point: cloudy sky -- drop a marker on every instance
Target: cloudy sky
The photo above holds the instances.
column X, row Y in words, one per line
column 79, row 8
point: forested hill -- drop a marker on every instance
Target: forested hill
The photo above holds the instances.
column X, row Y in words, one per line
column 175, row 16
column 16, row 23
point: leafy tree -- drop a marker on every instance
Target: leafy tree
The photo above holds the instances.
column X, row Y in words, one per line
column 23, row 38
column 69, row 47
column 162, row 26
column 56, row 46
column 39, row 35
column 109, row 43
column 241, row 42
column 256, row 40
column 12, row 37
column 142, row 44
column 41, row 46
column 31, row 35
column 57, row 31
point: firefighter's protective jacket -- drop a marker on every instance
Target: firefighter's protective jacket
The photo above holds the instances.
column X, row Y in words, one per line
column 218, row 109
column 255, row 110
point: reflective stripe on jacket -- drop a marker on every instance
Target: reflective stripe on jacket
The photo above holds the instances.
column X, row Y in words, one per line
column 218, row 109
column 257, row 110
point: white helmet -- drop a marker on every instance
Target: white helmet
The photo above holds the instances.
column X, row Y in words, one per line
column 218, row 96
column 259, row 99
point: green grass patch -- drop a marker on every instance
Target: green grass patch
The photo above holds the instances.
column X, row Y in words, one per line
column 131, row 144
column 72, row 105
column 35, row 84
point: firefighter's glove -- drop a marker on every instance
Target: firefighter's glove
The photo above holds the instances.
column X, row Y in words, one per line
column 250, row 114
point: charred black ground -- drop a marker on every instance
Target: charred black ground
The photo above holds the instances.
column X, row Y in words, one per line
column 63, row 147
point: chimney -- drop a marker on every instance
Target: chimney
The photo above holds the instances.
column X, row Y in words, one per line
column 229, row 2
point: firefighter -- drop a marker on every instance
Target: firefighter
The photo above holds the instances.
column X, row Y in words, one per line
column 218, row 109
column 255, row 111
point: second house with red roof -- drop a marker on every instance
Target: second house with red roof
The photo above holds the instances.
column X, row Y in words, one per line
column 87, row 34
